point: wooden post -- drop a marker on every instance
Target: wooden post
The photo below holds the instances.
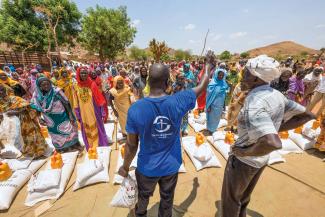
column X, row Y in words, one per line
column 115, row 134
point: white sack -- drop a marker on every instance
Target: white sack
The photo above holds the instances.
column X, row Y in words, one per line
column 189, row 145
column 10, row 187
column 93, row 171
column 127, row 195
column 69, row 160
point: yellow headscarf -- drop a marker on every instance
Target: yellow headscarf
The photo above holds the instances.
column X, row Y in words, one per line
column 63, row 82
column 10, row 102
column 117, row 93
column 10, row 82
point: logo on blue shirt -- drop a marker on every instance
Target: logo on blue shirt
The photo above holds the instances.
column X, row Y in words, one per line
column 161, row 127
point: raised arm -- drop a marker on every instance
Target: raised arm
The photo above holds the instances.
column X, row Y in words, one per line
column 209, row 65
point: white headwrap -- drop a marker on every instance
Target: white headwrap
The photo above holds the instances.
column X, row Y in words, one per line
column 264, row 67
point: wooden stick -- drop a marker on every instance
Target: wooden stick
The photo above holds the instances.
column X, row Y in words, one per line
column 205, row 41
column 115, row 134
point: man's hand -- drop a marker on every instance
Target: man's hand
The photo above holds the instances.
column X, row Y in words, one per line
column 210, row 62
column 123, row 172
column 210, row 59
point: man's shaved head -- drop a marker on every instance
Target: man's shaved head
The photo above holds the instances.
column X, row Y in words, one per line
column 158, row 76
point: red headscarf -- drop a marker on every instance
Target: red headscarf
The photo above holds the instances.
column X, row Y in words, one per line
column 98, row 81
column 98, row 96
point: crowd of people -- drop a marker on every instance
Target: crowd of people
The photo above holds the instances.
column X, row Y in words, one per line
column 79, row 94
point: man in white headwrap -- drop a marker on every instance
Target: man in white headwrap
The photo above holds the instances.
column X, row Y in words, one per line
column 265, row 112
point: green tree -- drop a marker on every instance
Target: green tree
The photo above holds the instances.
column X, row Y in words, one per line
column 226, row 55
column 61, row 19
column 20, row 27
column 182, row 55
column 106, row 31
column 137, row 53
column 165, row 57
column 244, row 55
column 158, row 49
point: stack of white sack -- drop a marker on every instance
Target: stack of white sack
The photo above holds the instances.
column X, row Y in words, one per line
column 51, row 191
column 22, row 169
column 217, row 140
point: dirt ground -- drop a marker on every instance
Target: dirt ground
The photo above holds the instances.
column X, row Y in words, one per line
column 295, row 188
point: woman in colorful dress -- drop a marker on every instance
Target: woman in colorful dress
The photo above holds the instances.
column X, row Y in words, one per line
column 216, row 94
column 120, row 95
column 17, row 89
column 296, row 87
column 34, row 143
column 95, row 76
column 57, row 113
column 65, row 84
column 88, row 103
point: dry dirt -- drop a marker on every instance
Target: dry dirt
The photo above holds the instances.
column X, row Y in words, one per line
column 283, row 48
column 295, row 188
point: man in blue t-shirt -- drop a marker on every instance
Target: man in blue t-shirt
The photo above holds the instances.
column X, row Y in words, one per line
column 156, row 121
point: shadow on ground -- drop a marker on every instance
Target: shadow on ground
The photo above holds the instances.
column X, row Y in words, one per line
column 316, row 153
column 250, row 212
column 178, row 210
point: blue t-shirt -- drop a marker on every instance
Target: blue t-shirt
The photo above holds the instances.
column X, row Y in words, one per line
column 157, row 121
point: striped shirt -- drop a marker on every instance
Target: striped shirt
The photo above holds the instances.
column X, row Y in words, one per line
column 263, row 112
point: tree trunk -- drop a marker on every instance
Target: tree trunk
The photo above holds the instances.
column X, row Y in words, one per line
column 101, row 53
column 57, row 47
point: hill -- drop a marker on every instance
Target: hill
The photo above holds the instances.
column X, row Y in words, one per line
column 285, row 48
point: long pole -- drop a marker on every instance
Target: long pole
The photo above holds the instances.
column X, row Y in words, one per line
column 205, row 41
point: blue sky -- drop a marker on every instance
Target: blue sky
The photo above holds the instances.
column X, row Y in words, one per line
column 235, row 25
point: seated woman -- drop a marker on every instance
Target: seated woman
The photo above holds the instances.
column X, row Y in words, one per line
column 17, row 88
column 34, row 143
column 88, row 103
column 216, row 94
column 120, row 94
column 58, row 117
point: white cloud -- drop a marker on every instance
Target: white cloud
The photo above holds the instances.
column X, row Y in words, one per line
column 245, row 11
column 320, row 26
column 189, row 27
column 237, row 35
column 136, row 22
